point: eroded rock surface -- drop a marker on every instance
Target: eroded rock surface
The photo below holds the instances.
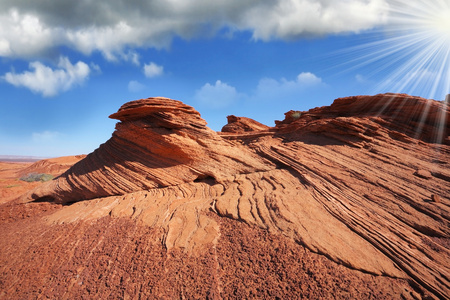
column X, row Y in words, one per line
column 338, row 180
column 243, row 124
column 158, row 143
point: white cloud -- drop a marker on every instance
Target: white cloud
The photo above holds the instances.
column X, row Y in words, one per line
column 110, row 40
column 221, row 94
column 45, row 136
column 218, row 95
column 132, row 57
column 291, row 19
column 308, row 79
column 5, row 49
column 47, row 81
column 135, row 86
column 153, row 70
column 270, row 88
column 95, row 68
column 111, row 27
column 25, row 35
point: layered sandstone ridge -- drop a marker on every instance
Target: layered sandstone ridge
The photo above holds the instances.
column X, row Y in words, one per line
column 158, row 143
column 357, row 181
column 402, row 115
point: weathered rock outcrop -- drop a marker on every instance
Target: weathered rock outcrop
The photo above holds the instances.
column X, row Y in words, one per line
column 339, row 180
column 400, row 115
column 158, row 143
column 243, row 124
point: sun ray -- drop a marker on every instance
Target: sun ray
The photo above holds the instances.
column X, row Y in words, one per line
column 409, row 54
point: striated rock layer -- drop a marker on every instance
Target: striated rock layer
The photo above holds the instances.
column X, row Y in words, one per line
column 363, row 182
column 158, row 143
column 242, row 124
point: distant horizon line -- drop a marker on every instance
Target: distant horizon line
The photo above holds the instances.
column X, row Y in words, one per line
column 23, row 158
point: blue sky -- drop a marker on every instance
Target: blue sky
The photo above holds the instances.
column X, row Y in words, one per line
column 66, row 65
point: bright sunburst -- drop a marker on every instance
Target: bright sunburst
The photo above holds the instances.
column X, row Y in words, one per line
column 411, row 51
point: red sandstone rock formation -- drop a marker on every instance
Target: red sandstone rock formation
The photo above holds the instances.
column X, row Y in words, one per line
column 169, row 208
column 158, row 143
column 242, row 124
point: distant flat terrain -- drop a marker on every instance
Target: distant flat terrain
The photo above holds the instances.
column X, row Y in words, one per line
column 17, row 158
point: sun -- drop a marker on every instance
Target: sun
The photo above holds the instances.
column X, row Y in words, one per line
column 410, row 52
column 425, row 27
column 430, row 19
column 441, row 25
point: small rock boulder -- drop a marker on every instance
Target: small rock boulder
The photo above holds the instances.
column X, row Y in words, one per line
column 435, row 198
column 423, row 174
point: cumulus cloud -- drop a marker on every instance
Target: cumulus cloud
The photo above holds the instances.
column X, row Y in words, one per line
column 308, row 79
column 113, row 27
column 95, row 69
column 132, row 57
column 24, row 34
column 135, row 86
column 153, row 70
column 270, row 88
column 218, row 95
column 292, row 19
column 221, row 94
column 47, row 81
